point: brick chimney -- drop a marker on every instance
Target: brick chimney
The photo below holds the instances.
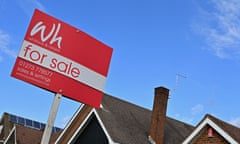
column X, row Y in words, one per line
column 156, row 131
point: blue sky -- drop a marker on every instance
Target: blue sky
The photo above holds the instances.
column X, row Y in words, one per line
column 191, row 47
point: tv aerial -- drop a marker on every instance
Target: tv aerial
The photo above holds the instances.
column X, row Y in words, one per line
column 178, row 76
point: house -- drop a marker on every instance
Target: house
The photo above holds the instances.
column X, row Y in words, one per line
column 18, row 130
column 118, row 121
column 121, row 122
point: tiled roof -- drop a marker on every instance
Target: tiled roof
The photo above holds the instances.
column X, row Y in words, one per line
column 128, row 123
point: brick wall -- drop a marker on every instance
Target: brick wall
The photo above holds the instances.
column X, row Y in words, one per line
column 203, row 138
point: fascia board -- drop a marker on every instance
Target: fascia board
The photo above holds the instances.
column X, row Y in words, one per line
column 69, row 123
column 93, row 111
column 104, row 128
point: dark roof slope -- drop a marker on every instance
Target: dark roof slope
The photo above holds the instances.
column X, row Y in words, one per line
column 176, row 131
column 127, row 123
column 233, row 131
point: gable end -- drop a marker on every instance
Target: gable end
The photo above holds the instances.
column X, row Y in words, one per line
column 218, row 129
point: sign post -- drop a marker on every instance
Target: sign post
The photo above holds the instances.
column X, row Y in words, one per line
column 51, row 119
column 62, row 59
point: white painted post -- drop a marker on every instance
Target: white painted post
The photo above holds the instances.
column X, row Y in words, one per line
column 51, row 119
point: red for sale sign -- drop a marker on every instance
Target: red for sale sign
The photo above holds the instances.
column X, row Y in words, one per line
column 63, row 59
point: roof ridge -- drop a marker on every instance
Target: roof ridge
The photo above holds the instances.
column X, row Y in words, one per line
column 125, row 101
column 179, row 121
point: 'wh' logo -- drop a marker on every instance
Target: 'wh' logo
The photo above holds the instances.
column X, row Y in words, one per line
column 53, row 34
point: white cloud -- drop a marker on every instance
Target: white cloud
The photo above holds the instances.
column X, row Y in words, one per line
column 186, row 119
column 2, row 2
column 4, row 39
column 235, row 121
column 197, row 109
column 4, row 45
column 220, row 27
